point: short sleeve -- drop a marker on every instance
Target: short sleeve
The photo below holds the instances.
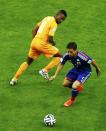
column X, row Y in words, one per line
column 89, row 60
column 64, row 59
column 85, row 57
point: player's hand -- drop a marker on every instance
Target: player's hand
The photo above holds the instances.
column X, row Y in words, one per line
column 98, row 72
column 52, row 77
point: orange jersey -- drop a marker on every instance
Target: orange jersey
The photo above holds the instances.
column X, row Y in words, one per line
column 47, row 27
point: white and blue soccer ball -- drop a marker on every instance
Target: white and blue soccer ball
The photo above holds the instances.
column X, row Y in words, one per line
column 49, row 120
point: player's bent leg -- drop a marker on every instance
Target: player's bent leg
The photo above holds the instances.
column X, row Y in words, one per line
column 50, row 51
column 67, row 82
column 32, row 55
column 52, row 64
column 45, row 70
column 21, row 69
column 77, row 87
column 74, row 94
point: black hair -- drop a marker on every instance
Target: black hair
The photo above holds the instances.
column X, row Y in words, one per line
column 63, row 12
column 72, row 45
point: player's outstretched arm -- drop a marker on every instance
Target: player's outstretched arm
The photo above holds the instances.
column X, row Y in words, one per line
column 96, row 67
column 58, row 70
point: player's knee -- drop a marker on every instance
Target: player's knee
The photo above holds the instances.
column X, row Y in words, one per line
column 65, row 84
column 58, row 55
column 29, row 60
column 75, row 85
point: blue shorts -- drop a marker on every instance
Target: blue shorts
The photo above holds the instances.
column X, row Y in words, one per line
column 75, row 74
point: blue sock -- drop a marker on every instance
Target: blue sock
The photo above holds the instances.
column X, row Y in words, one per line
column 74, row 93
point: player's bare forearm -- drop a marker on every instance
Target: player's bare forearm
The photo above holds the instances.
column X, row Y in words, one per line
column 51, row 41
column 34, row 31
column 58, row 70
column 94, row 64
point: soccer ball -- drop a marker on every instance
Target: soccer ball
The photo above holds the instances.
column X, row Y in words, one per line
column 49, row 120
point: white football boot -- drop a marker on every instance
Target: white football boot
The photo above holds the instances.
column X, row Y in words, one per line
column 13, row 82
column 44, row 74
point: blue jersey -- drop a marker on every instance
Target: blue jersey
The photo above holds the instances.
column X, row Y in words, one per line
column 81, row 62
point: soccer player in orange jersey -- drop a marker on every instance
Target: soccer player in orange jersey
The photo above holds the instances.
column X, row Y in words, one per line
column 42, row 42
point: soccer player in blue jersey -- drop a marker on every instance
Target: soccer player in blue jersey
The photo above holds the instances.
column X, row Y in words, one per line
column 79, row 73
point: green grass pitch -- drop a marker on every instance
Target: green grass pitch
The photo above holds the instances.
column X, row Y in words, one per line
column 23, row 107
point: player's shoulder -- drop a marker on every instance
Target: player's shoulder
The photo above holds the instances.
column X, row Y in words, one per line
column 83, row 55
column 66, row 55
column 49, row 18
column 64, row 58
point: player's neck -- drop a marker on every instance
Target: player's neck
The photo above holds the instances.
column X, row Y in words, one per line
column 55, row 19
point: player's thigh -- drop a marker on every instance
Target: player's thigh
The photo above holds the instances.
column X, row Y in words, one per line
column 50, row 51
column 33, row 53
column 83, row 77
column 72, row 74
